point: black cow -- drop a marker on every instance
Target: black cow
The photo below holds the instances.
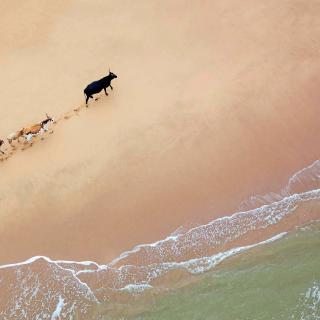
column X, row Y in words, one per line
column 97, row 86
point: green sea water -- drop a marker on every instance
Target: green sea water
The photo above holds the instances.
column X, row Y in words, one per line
column 279, row 280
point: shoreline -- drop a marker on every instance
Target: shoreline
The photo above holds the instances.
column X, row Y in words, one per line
column 259, row 236
column 190, row 130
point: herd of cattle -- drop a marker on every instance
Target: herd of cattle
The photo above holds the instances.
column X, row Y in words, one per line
column 38, row 129
column 28, row 133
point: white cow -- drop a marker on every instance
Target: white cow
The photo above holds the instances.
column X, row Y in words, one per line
column 14, row 137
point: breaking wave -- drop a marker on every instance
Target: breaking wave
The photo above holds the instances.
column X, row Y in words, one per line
column 302, row 181
column 40, row 288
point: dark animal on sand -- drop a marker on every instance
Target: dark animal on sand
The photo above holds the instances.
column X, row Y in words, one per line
column 97, row 86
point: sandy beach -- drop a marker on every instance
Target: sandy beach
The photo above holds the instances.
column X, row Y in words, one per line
column 213, row 103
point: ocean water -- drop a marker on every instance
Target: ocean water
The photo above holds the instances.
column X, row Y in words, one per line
column 279, row 280
column 261, row 262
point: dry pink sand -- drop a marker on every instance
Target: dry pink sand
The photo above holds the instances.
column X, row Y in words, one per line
column 215, row 101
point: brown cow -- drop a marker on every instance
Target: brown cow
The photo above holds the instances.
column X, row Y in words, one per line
column 37, row 129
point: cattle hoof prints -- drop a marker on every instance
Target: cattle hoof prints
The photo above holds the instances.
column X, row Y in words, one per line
column 35, row 130
column 31, row 132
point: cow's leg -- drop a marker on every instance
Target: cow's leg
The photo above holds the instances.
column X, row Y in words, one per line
column 87, row 98
column 29, row 138
column 27, row 141
column 42, row 131
column 11, row 143
column 111, row 87
column 105, row 91
column 46, row 129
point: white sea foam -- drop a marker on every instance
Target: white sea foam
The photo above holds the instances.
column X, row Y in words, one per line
column 204, row 264
column 56, row 263
column 271, row 213
column 35, row 258
column 56, row 313
column 209, row 234
column 136, row 288
column 30, row 290
column 138, row 278
column 304, row 180
column 308, row 307
column 216, row 233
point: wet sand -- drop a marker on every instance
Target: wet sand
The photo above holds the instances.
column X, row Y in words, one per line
column 214, row 102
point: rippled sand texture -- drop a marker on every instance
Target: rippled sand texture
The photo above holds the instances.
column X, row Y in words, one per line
column 215, row 101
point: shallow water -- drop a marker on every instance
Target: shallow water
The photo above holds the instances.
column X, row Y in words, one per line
column 280, row 280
